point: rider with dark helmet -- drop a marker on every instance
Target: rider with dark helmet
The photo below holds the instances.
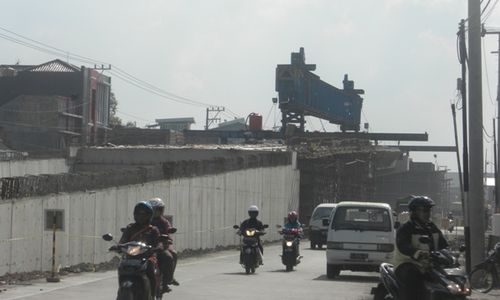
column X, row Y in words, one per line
column 143, row 231
column 411, row 257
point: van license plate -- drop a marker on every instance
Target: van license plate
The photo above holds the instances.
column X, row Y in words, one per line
column 359, row 256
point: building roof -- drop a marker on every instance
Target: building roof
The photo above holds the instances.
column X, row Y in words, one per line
column 176, row 120
column 232, row 122
column 55, row 65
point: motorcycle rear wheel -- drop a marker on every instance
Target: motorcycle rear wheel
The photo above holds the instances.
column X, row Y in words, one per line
column 248, row 270
column 482, row 280
column 289, row 268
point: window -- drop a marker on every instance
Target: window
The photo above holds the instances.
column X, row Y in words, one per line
column 362, row 219
column 322, row 213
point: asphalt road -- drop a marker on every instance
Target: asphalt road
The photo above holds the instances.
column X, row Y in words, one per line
column 219, row 276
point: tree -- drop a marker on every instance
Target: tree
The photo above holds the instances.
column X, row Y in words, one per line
column 114, row 120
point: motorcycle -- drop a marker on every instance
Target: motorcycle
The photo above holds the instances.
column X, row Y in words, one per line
column 445, row 279
column 136, row 257
column 250, row 255
column 485, row 275
column 291, row 242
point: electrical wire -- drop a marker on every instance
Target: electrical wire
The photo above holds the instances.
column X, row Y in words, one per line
column 487, row 76
column 486, row 17
column 118, row 72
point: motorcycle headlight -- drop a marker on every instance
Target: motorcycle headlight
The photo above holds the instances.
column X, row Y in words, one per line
column 250, row 232
column 133, row 250
column 454, row 288
column 289, row 243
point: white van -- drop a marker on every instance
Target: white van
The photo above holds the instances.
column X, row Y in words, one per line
column 361, row 236
column 318, row 230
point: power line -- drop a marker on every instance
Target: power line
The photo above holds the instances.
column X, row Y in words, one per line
column 487, row 76
column 490, row 12
column 120, row 73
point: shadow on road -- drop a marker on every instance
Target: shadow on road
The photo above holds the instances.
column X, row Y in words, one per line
column 240, row 273
column 280, row 271
column 350, row 278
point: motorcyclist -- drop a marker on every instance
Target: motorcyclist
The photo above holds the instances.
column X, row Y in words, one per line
column 167, row 259
column 252, row 222
column 293, row 222
column 411, row 257
column 143, row 231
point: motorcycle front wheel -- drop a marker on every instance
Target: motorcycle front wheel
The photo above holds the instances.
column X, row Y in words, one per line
column 125, row 294
column 481, row 280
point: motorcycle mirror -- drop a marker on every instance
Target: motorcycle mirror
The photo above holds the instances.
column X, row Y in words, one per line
column 265, row 226
column 278, row 226
column 326, row 222
column 425, row 240
column 172, row 230
column 236, row 226
column 107, row 237
column 122, row 229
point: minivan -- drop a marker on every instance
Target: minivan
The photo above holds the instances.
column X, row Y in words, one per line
column 318, row 230
column 360, row 237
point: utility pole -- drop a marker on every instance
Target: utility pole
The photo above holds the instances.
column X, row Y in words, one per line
column 212, row 119
column 463, row 93
column 476, row 189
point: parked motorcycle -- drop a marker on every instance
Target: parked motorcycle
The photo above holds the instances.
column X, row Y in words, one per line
column 291, row 242
column 250, row 255
column 485, row 275
column 445, row 279
column 136, row 257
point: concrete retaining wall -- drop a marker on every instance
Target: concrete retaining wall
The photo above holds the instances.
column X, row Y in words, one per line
column 204, row 209
column 16, row 168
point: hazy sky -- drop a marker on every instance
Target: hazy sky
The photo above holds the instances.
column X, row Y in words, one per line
column 224, row 52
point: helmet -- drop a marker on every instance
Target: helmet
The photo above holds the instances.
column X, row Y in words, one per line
column 420, row 201
column 253, row 211
column 156, row 203
column 144, row 206
column 292, row 216
column 253, row 208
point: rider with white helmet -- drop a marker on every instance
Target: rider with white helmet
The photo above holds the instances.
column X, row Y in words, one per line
column 252, row 222
column 167, row 258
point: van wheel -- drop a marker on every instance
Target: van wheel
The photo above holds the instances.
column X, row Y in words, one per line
column 313, row 246
column 332, row 271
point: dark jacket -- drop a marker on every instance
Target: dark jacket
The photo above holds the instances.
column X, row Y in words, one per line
column 251, row 223
column 162, row 224
column 148, row 234
column 408, row 244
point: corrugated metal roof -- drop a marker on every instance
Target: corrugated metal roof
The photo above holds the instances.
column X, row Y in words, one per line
column 56, row 65
column 175, row 120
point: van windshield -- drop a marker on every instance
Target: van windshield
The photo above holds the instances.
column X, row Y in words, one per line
column 362, row 218
column 322, row 213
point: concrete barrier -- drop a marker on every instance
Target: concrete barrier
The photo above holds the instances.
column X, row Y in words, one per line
column 14, row 168
column 204, row 209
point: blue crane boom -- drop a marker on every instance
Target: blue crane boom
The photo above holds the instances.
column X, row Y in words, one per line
column 302, row 93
